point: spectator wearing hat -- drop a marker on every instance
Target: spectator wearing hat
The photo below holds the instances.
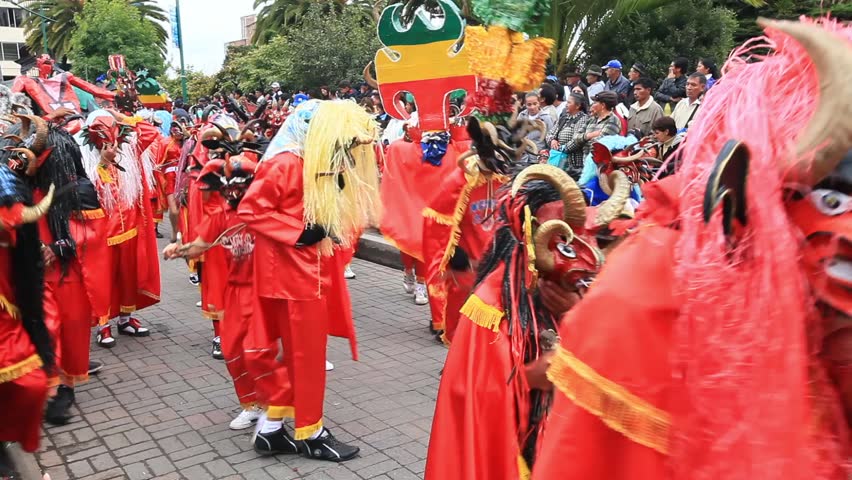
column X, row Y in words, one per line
column 616, row 81
column 570, row 78
column 645, row 110
column 593, row 79
column 602, row 123
column 673, row 88
column 636, row 72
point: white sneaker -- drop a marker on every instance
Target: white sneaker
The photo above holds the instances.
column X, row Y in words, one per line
column 198, row 304
column 329, row 366
column 420, row 295
column 348, row 273
column 246, row 418
column 408, row 281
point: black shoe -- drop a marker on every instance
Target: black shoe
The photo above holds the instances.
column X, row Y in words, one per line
column 217, row 349
column 158, row 234
column 95, row 367
column 59, row 407
column 276, row 442
column 326, row 447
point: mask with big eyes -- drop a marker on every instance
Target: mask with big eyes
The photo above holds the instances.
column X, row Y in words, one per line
column 105, row 132
column 231, row 178
column 824, row 217
column 563, row 253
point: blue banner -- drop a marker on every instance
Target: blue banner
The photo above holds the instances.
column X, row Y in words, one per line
column 175, row 27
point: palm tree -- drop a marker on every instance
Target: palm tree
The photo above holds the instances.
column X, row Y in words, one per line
column 276, row 15
column 64, row 12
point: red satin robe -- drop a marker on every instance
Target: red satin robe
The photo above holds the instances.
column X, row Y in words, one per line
column 131, row 236
column 79, row 299
column 461, row 216
column 410, row 184
column 23, row 384
column 475, row 432
column 166, row 153
column 292, row 284
column 613, row 383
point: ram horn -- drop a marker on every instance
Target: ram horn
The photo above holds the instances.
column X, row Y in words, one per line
column 41, row 131
column 573, row 202
column 544, row 234
column 248, row 133
column 368, row 77
column 32, row 214
column 824, row 135
column 613, row 207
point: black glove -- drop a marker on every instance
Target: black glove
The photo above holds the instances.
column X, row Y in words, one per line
column 460, row 261
column 311, row 235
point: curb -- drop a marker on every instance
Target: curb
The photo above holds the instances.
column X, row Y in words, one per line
column 373, row 247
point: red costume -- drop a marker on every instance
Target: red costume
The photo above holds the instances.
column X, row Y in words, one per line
column 460, row 217
column 24, row 340
column 166, row 155
column 295, row 309
column 124, row 189
column 711, row 345
column 485, row 397
column 51, row 92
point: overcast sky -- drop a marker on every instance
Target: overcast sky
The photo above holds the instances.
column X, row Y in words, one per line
column 207, row 25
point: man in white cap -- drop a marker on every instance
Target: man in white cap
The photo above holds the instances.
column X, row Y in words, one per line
column 276, row 92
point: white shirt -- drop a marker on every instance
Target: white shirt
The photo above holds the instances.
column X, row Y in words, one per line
column 683, row 112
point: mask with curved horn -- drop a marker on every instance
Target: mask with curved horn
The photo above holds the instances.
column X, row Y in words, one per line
column 614, row 207
column 368, row 76
column 32, row 214
column 824, row 135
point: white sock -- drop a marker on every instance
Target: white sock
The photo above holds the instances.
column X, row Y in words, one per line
column 319, row 433
column 270, row 426
column 123, row 318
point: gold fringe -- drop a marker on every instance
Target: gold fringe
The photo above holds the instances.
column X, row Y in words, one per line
column 619, row 409
column 18, row 370
column 127, row 308
column 304, row 433
column 438, row 292
column 458, row 215
column 113, row 241
column 104, row 174
column 280, row 412
column 439, row 218
column 523, row 469
column 482, row 314
column 211, row 315
column 528, row 239
column 9, row 307
column 92, row 214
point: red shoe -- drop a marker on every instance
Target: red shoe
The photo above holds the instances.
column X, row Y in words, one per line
column 104, row 338
column 133, row 328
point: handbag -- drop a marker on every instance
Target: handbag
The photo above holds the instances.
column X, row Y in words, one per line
column 556, row 158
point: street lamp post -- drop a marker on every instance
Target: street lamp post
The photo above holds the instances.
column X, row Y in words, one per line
column 44, row 20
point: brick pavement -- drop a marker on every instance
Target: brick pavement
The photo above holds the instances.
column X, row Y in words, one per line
column 161, row 407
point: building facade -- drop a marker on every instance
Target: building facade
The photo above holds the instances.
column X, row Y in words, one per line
column 12, row 46
column 247, row 26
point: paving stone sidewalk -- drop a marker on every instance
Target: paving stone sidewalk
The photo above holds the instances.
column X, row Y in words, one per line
column 161, row 407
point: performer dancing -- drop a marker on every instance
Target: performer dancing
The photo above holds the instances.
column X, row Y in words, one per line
column 715, row 343
column 493, row 390
column 25, row 344
column 74, row 246
column 318, row 181
column 112, row 159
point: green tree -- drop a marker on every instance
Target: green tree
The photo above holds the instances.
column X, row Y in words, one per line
column 107, row 27
column 198, row 84
column 688, row 28
column 748, row 11
column 277, row 16
column 66, row 12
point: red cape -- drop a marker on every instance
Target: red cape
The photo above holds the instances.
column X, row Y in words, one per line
column 408, row 185
column 475, row 433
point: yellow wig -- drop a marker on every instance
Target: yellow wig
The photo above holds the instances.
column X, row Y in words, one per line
column 340, row 143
